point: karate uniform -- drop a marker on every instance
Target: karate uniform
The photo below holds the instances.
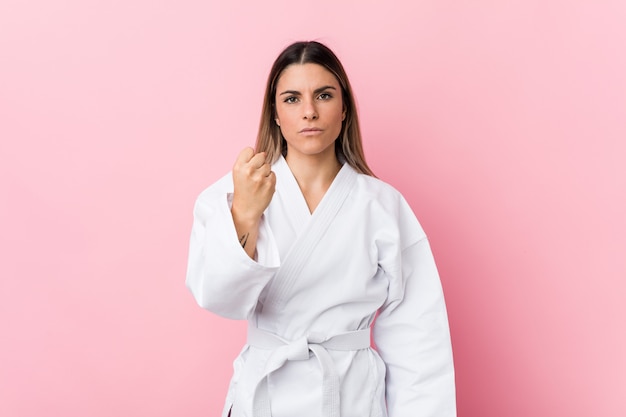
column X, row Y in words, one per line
column 312, row 294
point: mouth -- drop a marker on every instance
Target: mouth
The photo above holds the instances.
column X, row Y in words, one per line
column 310, row 130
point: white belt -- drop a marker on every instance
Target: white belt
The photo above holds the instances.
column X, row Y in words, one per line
column 297, row 350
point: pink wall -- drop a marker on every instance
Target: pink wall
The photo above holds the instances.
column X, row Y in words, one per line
column 503, row 123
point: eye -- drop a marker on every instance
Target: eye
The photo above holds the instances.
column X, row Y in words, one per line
column 291, row 99
column 325, row 96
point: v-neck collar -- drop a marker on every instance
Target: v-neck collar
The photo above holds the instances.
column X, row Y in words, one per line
column 288, row 186
column 287, row 183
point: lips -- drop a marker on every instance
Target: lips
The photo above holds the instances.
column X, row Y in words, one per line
column 310, row 129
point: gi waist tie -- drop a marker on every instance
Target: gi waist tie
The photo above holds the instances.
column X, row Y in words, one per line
column 284, row 350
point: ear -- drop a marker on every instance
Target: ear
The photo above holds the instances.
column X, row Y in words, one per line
column 343, row 115
column 277, row 121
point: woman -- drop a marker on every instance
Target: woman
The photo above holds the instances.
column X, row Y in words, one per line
column 307, row 245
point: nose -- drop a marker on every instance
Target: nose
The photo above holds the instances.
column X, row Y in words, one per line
column 310, row 112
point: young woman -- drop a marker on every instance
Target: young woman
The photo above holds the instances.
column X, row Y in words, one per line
column 301, row 240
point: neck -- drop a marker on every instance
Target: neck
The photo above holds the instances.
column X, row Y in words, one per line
column 313, row 171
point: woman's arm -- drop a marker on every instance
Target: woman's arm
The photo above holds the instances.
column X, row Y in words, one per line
column 411, row 331
column 254, row 184
column 413, row 339
column 225, row 273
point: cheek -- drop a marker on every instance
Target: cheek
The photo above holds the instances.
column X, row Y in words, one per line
column 339, row 116
column 284, row 116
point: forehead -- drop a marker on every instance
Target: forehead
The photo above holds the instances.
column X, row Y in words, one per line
column 305, row 76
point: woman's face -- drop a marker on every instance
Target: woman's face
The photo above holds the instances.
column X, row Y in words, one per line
column 309, row 110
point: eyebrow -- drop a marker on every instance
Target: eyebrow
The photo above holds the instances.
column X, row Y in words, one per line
column 316, row 91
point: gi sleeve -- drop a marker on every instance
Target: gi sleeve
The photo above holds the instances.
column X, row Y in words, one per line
column 413, row 338
column 220, row 275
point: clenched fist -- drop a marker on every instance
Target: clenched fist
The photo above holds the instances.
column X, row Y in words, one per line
column 254, row 184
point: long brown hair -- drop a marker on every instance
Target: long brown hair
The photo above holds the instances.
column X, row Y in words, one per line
column 348, row 145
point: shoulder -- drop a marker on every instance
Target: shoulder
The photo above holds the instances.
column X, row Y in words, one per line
column 378, row 191
column 387, row 206
column 376, row 187
column 216, row 192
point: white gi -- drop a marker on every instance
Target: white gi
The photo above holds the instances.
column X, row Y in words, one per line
column 312, row 294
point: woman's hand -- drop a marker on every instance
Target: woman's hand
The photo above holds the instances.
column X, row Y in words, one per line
column 254, row 184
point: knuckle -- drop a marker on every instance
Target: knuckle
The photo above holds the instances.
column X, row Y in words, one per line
column 248, row 170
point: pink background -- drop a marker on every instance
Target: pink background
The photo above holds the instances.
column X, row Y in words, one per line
column 502, row 122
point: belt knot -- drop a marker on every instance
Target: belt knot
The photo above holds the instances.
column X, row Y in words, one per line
column 300, row 349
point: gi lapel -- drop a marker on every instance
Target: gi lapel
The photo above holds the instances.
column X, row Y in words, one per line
column 322, row 217
column 296, row 210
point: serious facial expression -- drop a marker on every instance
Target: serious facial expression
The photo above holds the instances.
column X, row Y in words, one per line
column 309, row 110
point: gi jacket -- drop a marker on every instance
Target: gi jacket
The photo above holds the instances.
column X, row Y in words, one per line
column 312, row 294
